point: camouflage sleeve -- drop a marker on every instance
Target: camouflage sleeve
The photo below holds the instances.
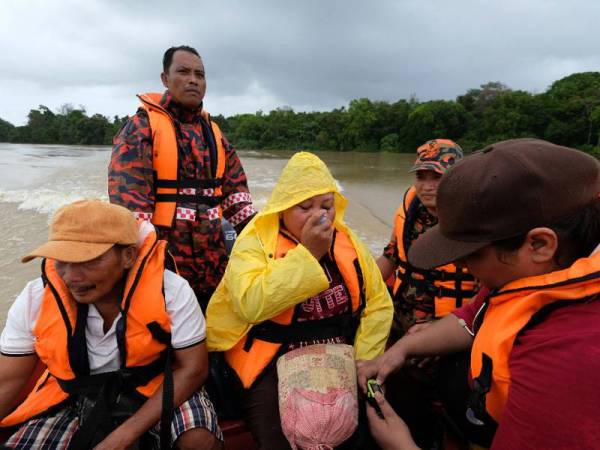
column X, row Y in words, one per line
column 130, row 173
column 390, row 251
column 237, row 203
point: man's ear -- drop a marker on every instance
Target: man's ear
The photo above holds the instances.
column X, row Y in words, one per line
column 163, row 78
column 129, row 254
column 542, row 244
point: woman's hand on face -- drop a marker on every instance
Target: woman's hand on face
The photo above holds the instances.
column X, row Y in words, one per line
column 317, row 235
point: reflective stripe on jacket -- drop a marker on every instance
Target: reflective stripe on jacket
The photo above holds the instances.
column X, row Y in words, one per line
column 450, row 285
column 60, row 334
column 508, row 312
column 249, row 361
column 169, row 189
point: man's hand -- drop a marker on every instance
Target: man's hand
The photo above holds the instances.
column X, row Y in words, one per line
column 317, row 235
column 117, row 440
column 380, row 367
column 15, row 372
column 390, row 432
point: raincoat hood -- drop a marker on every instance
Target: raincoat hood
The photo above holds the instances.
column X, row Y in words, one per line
column 303, row 177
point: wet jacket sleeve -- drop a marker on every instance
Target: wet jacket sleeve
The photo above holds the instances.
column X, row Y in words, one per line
column 376, row 318
column 130, row 173
column 237, row 203
column 261, row 287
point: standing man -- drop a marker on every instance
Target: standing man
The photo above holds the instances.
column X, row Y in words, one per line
column 421, row 296
column 171, row 165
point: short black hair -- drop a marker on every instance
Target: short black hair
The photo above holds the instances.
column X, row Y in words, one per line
column 168, row 56
column 577, row 236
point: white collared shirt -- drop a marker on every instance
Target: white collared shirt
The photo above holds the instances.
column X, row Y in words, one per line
column 188, row 326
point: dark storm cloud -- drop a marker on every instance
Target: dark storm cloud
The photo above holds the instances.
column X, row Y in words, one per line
column 314, row 54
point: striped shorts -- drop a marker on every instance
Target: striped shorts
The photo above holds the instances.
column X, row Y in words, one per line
column 54, row 432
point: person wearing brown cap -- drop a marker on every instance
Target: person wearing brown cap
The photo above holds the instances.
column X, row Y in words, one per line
column 421, row 296
column 526, row 222
column 120, row 335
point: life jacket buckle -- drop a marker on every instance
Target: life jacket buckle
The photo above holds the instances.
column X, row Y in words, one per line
column 249, row 341
column 476, row 403
column 472, row 417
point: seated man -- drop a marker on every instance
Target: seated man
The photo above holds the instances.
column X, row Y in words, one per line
column 121, row 336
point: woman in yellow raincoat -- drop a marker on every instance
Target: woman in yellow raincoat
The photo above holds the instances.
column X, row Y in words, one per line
column 297, row 276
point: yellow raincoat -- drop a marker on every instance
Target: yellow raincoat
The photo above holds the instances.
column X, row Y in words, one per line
column 257, row 287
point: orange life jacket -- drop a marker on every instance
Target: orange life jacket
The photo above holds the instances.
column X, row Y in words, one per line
column 508, row 312
column 251, row 355
column 450, row 285
column 60, row 334
column 169, row 188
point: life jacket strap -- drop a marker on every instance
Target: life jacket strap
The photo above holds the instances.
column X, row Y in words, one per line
column 210, row 201
column 78, row 359
column 106, row 388
column 481, row 385
column 189, row 183
column 104, row 392
column 166, row 417
column 198, row 197
column 128, row 378
column 441, row 291
column 269, row 331
column 429, row 277
column 437, row 275
column 476, row 412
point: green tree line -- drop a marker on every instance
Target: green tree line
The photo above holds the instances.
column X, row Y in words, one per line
column 69, row 125
column 567, row 113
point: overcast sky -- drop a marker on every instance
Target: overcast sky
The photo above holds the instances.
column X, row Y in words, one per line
column 309, row 54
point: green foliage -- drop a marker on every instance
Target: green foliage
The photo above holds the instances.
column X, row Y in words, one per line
column 390, row 143
column 572, row 101
column 513, row 114
column 69, row 125
column 6, row 130
column 436, row 119
column 477, row 100
column 568, row 113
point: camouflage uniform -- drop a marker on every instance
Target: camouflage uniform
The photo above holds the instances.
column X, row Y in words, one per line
column 416, row 393
column 196, row 243
column 412, row 304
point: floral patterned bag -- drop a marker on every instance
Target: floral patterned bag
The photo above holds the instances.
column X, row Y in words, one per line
column 318, row 402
